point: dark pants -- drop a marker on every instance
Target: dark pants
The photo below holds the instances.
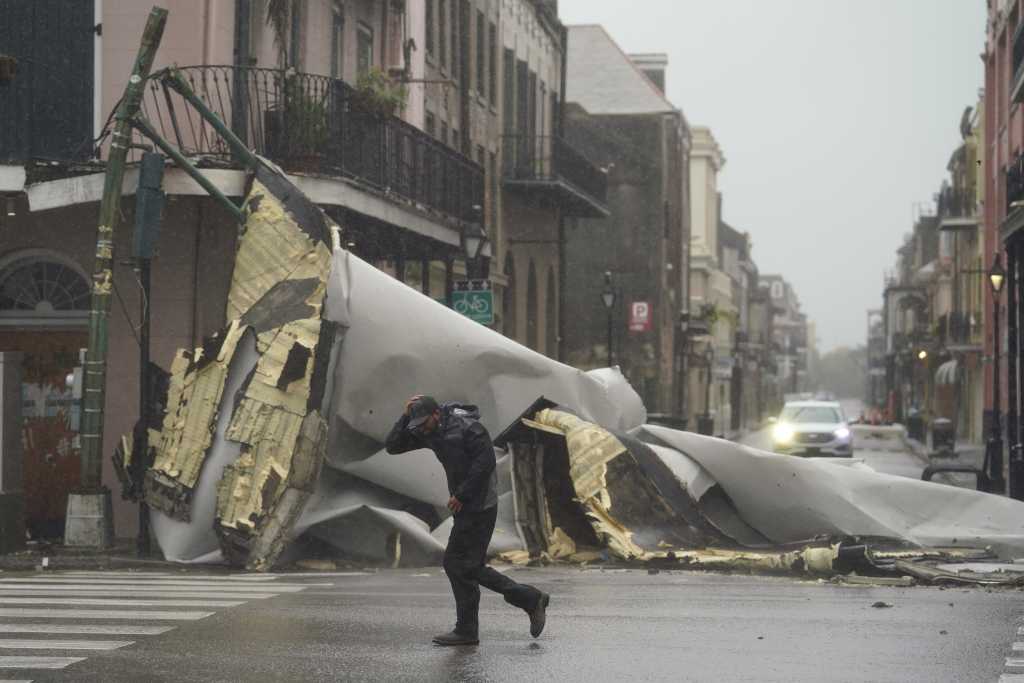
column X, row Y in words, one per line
column 464, row 562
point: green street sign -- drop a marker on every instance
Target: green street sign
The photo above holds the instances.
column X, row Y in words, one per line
column 475, row 300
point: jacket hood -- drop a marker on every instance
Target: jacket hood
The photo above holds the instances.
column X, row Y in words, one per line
column 466, row 411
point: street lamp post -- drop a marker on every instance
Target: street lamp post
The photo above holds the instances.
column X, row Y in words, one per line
column 608, row 297
column 473, row 240
column 994, row 446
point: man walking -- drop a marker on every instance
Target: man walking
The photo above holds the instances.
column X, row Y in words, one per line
column 464, row 448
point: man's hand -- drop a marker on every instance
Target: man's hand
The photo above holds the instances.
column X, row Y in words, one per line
column 454, row 504
column 408, row 404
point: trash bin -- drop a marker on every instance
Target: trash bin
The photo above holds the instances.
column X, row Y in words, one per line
column 915, row 426
column 943, row 436
column 705, row 425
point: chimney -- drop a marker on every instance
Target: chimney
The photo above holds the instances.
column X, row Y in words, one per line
column 653, row 65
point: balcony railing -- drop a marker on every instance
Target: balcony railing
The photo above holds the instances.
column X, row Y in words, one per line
column 1017, row 64
column 956, row 203
column 1015, row 183
column 315, row 124
column 551, row 160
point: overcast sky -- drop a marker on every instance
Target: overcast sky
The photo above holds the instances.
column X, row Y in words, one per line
column 836, row 117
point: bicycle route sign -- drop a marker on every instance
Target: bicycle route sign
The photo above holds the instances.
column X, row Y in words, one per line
column 474, row 299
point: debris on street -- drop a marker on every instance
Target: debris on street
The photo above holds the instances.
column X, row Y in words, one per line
column 274, row 430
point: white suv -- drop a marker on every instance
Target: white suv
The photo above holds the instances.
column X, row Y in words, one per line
column 812, row 428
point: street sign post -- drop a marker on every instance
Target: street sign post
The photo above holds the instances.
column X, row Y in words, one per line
column 475, row 300
column 639, row 316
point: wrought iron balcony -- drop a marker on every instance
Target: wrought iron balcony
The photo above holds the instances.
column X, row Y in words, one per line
column 320, row 125
column 547, row 165
column 1017, row 65
column 1015, row 184
column 957, row 209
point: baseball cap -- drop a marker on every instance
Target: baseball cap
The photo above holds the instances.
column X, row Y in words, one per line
column 423, row 408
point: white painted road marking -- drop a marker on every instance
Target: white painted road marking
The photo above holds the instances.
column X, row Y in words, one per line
column 1015, row 661
column 132, row 593
column 135, row 614
column 87, row 629
column 144, row 588
column 276, row 587
column 1011, row 678
column 117, row 602
column 1018, row 647
column 25, row 644
column 38, row 662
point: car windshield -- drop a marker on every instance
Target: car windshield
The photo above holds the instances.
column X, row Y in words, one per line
column 798, row 414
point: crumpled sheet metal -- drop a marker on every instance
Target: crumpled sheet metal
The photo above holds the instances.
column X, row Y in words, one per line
column 193, row 407
column 591, row 449
column 789, row 499
column 398, row 342
column 263, row 459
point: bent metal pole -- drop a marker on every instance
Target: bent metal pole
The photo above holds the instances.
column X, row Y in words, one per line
column 102, row 278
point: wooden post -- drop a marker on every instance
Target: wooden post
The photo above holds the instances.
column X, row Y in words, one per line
column 102, row 279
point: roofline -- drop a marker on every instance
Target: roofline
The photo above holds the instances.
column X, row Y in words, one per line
column 657, row 93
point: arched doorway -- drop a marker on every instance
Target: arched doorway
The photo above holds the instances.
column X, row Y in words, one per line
column 508, row 299
column 531, row 307
column 44, row 314
column 551, row 316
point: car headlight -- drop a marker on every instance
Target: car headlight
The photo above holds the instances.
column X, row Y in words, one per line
column 782, row 433
column 842, row 433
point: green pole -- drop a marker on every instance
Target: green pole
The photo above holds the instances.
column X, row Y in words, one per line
column 242, row 152
column 146, row 129
column 102, row 279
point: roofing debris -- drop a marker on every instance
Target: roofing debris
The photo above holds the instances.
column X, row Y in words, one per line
column 274, row 431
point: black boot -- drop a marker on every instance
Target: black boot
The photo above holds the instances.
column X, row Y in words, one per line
column 455, row 638
column 539, row 615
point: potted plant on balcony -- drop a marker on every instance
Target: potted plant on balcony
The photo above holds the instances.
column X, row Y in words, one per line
column 377, row 94
column 297, row 125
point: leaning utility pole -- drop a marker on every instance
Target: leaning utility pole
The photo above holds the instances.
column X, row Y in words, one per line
column 89, row 520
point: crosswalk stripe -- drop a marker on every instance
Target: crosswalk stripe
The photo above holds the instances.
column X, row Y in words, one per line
column 1011, row 678
column 126, row 614
column 87, row 629
column 117, row 602
column 25, row 644
column 1015, row 661
column 277, row 587
column 1018, row 647
column 38, row 662
column 74, row 587
column 134, row 592
column 168, row 575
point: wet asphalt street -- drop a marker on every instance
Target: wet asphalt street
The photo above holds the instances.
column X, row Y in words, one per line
column 603, row 626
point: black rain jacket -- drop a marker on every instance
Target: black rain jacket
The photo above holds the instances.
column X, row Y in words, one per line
column 463, row 447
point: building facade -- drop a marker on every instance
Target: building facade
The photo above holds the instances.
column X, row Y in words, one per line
column 618, row 116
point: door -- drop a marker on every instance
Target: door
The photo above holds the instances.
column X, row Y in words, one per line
column 50, row 423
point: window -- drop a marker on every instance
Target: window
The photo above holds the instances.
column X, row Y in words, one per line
column 532, row 304
column 492, row 170
column 481, row 55
column 444, row 132
column 430, row 27
column 337, row 39
column 295, row 42
column 43, row 285
column 456, row 142
column 481, row 156
column 454, row 6
column 442, row 32
column 430, row 125
column 364, row 49
column 492, row 64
